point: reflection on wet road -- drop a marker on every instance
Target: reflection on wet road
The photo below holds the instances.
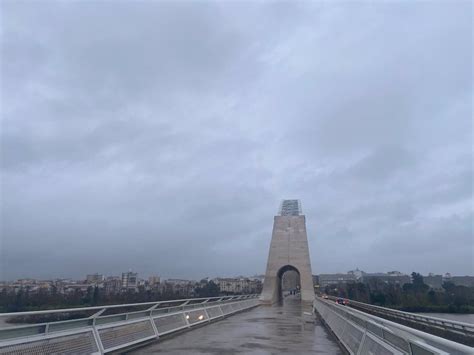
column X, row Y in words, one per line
column 263, row 330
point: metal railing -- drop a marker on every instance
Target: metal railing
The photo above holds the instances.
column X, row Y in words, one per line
column 454, row 330
column 361, row 333
column 101, row 329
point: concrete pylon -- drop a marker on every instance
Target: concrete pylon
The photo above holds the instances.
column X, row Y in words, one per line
column 288, row 251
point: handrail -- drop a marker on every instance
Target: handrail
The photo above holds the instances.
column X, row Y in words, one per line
column 410, row 335
column 98, row 333
column 467, row 328
column 412, row 315
column 105, row 307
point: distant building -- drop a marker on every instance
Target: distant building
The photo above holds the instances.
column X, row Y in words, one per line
column 396, row 273
column 129, row 280
column 179, row 281
column 435, row 282
column 153, row 280
column 335, row 279
column 392, row 277
column 260, row 278
column 26, row 281
column 179, row 287
column 76, row 287
column 467, row 281
column 447, row 277
column 113, row 284
column 255, row 286
column 316, row 281
column 357, row 273
column 238, row 285
column 94, row 278
column 229, row 285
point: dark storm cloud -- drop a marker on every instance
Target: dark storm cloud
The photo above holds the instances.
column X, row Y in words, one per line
column 161, row 136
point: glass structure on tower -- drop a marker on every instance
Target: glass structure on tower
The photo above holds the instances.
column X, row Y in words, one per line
column 290, row 208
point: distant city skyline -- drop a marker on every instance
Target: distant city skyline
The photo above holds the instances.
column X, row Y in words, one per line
column 184, row 277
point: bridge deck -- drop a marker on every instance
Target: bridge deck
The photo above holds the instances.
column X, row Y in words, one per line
column 263, row 330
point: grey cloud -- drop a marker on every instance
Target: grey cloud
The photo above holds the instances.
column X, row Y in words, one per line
column 383, row 163
column 161, row 136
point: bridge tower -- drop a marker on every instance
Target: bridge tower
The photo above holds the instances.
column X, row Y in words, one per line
column 288, row 251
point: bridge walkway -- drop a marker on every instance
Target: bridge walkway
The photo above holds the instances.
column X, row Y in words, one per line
column 278, row 329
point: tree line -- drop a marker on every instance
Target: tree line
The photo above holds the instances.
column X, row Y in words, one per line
column 411, row 297
column 26, row 300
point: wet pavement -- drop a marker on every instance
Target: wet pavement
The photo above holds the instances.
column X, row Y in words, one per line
column 263, row 330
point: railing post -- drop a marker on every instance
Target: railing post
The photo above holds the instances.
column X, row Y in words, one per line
column 359, row 351
column 153, row 325
column 98, row 341
column 207, row 314
column 95, row 315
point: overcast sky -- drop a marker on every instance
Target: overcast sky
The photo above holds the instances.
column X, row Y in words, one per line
column 162, row 136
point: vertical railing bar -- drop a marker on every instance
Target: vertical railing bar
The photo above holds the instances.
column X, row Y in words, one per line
column 98, row 341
